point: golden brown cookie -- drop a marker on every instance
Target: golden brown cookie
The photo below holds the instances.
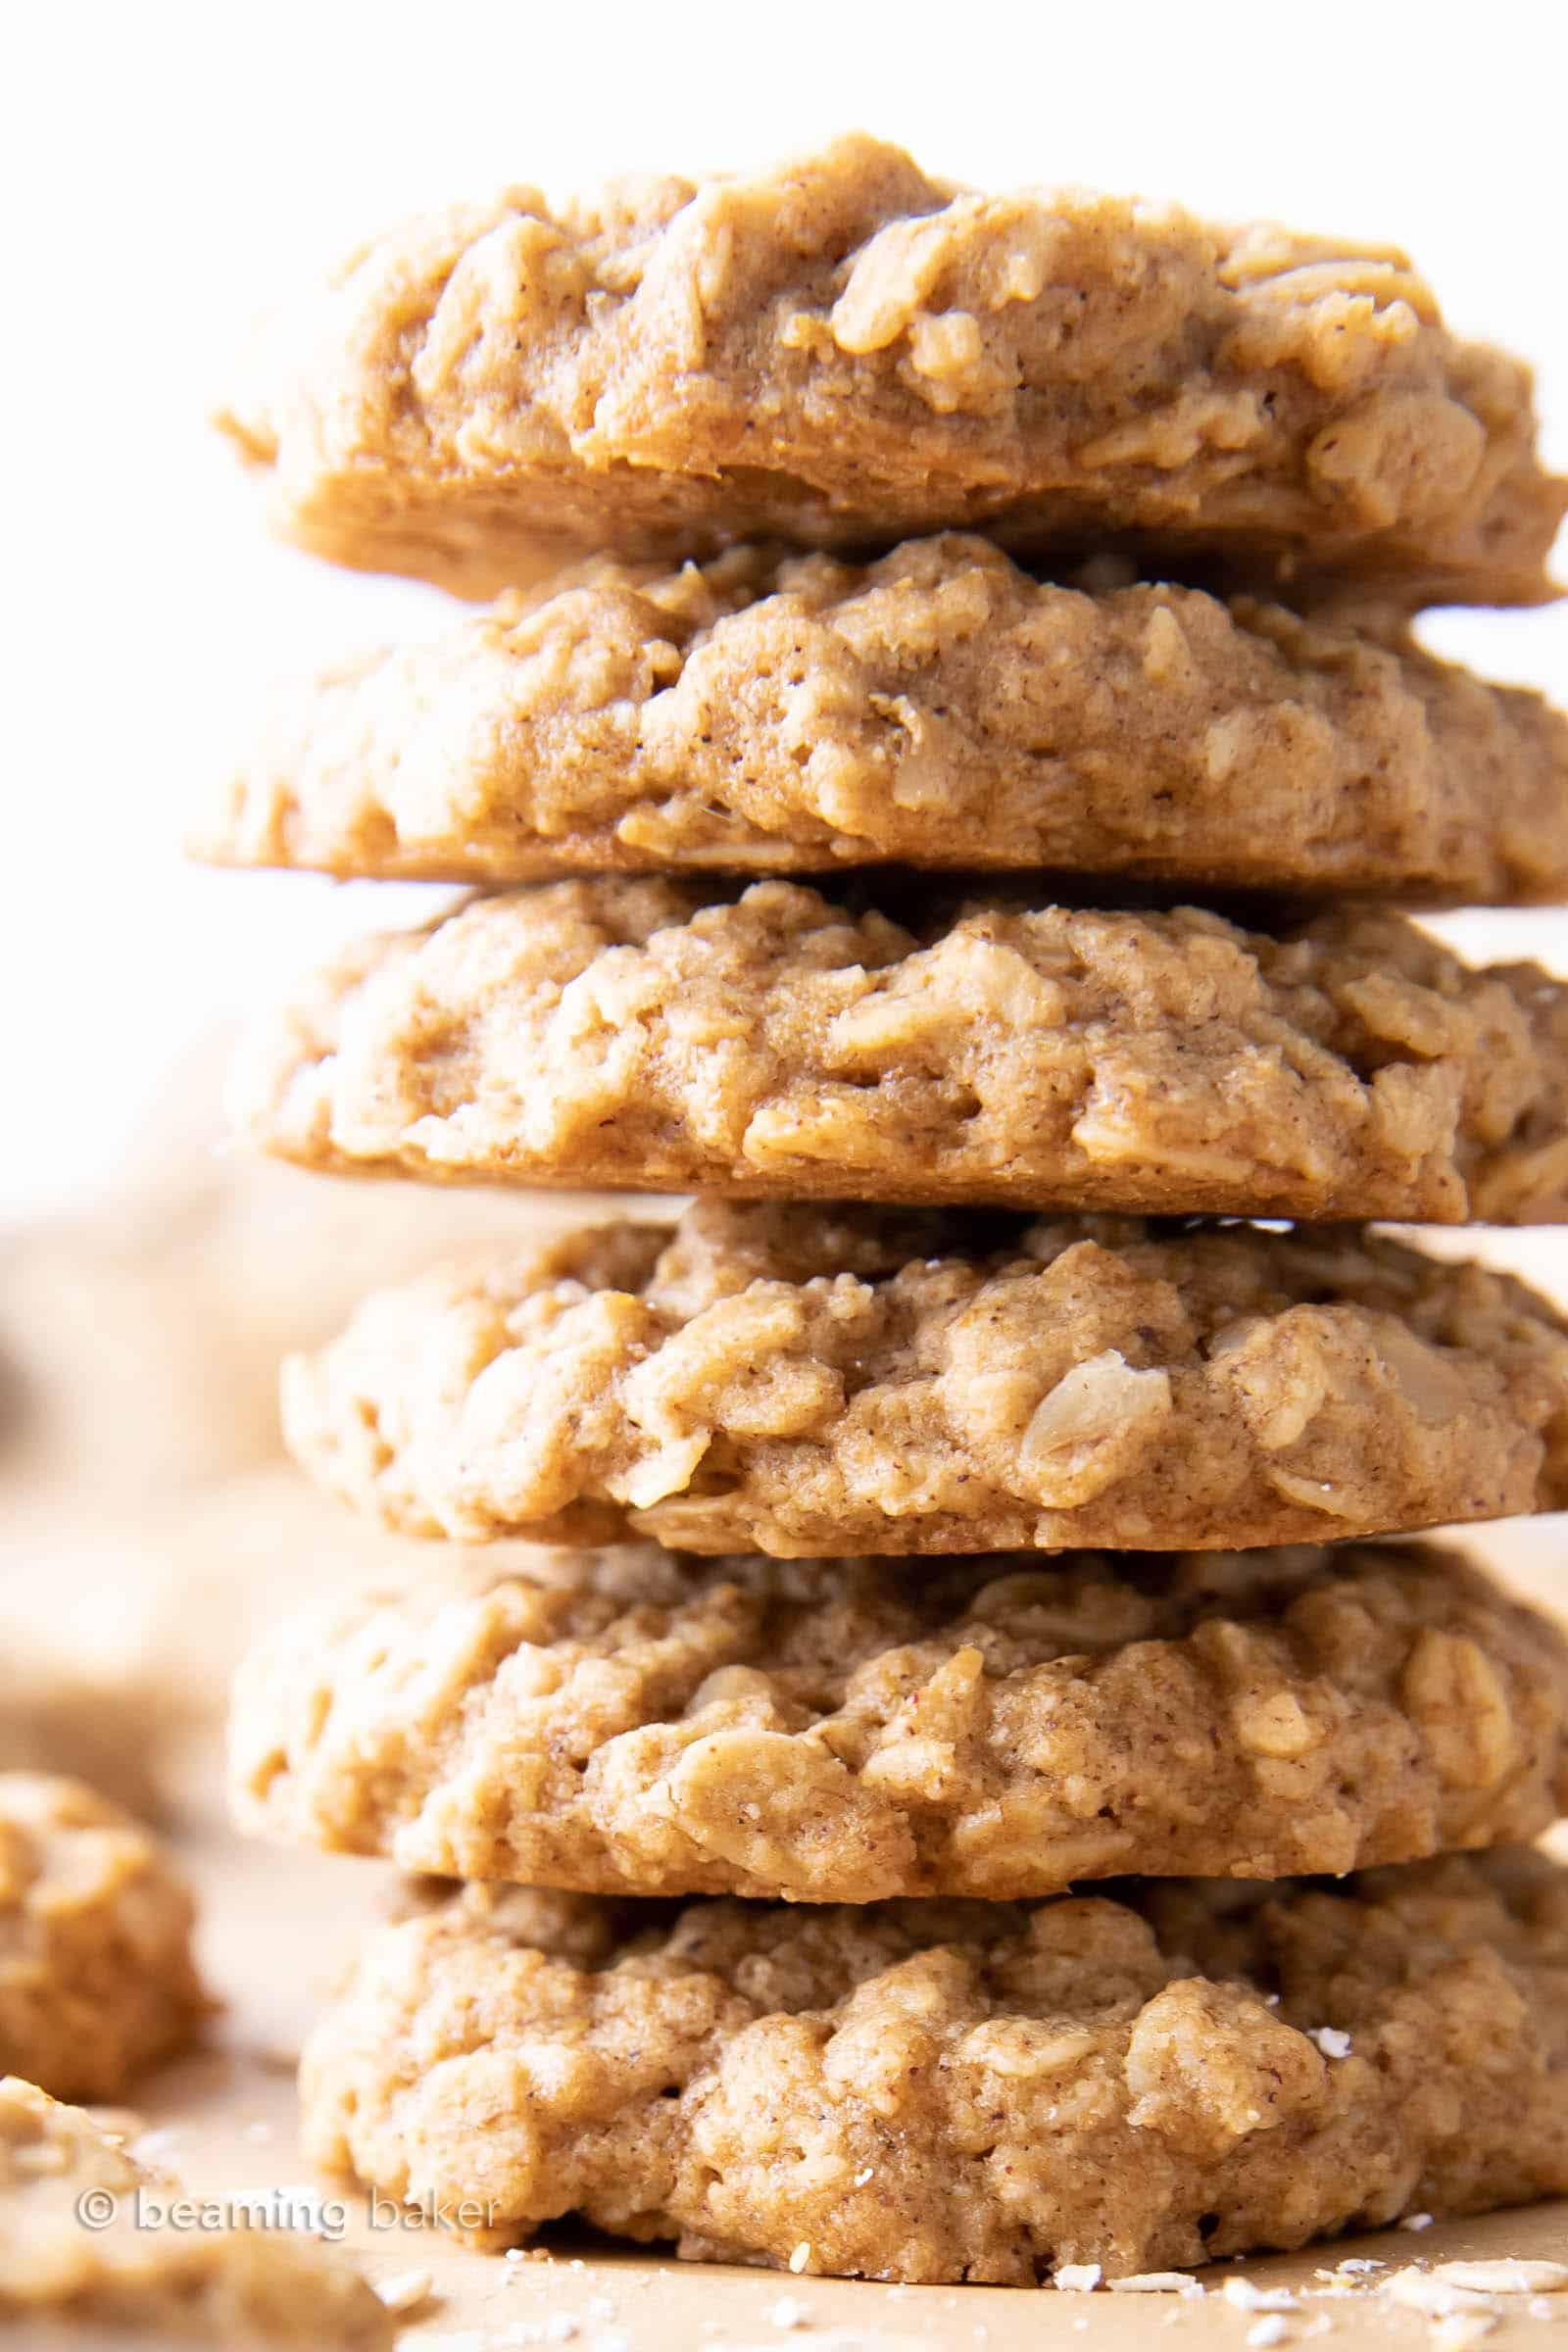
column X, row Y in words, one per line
column 96, row 1976
column 652, row 1034
column 780, row 713
column 809, row 1380
column 839, row 1731
column 126, row 2274
column 946, row 2091
column 840, row 350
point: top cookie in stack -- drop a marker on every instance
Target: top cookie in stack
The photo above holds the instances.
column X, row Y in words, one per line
column 843, row 353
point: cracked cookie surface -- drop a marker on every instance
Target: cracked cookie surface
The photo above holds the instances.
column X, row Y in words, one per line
column 96, row 1976
column 814, row 1382
column 939, row 708
column 841, row 351
column 945, row 2091
column 647, row 1033
column 839, row 1731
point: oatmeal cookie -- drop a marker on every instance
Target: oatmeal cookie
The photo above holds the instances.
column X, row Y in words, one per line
column 780, row 713
column 244, row 2288
column 945, row 2091
column 837, row 1731
column 649, row 1034
column 841, row 351
column 96, row 1976
column 812, row 1381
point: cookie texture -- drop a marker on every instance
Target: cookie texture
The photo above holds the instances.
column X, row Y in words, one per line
column 805, row 1381
column 647, row 1033
column 246, row 2289
column 945, row 2091
column 841, row 350
column 833, row 1731
column 96, row 1976
column 939, row 708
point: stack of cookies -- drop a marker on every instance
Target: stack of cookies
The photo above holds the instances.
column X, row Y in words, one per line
column 979, row 1798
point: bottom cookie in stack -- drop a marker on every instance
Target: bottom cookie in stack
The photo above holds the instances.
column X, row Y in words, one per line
column 886, row 2077
column 950, row 2091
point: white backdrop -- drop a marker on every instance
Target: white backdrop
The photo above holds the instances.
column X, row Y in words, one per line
column 169, row 167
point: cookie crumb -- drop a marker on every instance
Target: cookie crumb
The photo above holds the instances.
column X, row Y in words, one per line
column 1156, row 2282
column 1506, row 2278
column 1079, row 2278
column 1459, row 2331
column 406, row 2292
column 1425, row 2292
column 1241, row 2295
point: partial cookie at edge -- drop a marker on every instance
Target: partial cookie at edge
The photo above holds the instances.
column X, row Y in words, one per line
column 97, row 1981
column 122, row 2274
